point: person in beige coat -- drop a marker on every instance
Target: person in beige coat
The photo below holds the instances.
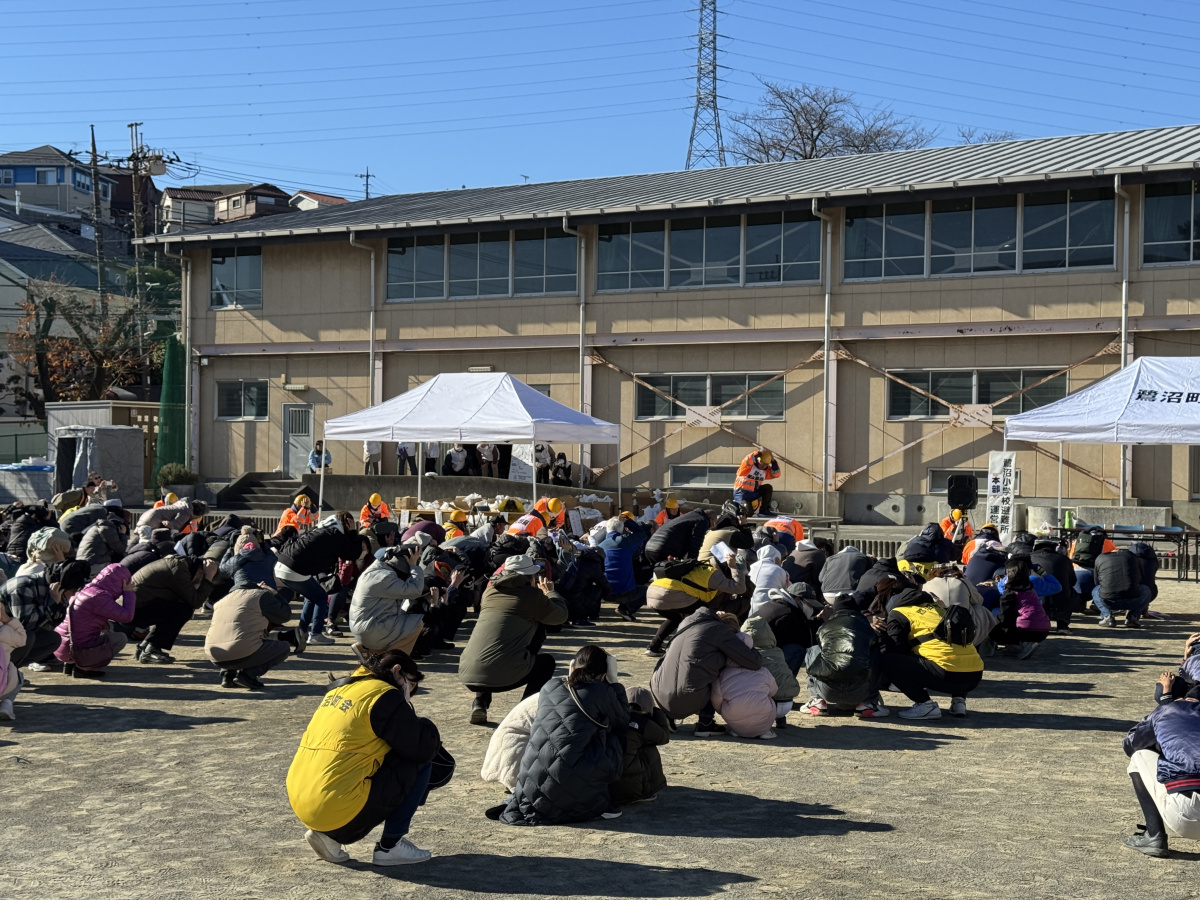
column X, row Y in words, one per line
column 237, row 641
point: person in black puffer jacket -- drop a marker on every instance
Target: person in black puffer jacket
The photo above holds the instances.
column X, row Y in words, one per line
column 1060, row 606
column 585, row 587
column 681, row 537
column 316, row 554
column 23, row 527
column 885, row 568
column 790, row 619
column 576, row 747
column 843, row 668
column 1149, row 558
column 1119, row 586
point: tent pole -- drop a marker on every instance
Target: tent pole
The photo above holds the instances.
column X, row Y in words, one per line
column 533, row 474
column 321, row 460
column 619, row 510
column 1060, row 468
column 422, row 450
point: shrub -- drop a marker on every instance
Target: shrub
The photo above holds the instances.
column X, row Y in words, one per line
column 176, row 473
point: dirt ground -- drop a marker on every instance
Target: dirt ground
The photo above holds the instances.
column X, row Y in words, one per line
column 157, row 783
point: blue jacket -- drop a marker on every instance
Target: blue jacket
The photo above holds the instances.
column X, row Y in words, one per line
column 249, row 567
column 1044, row 585
column 1174, row 729
column 619, row 549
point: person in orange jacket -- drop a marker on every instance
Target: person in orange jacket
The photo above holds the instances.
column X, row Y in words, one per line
column 748, row 487
column 987, row 532
column 956, row 528
column 531, row 524
column 299, row 515
column 375, row 511
column 669, row 511
column 456, row 527
column 791, row 526
column 552, row 511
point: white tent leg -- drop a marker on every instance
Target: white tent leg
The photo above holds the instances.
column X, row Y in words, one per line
column 321, row 489
column 1060, row 468
column 619, row 509
column 422, row 450
column 533, row 475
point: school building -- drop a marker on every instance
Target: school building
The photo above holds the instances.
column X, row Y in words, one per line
column 955, row 286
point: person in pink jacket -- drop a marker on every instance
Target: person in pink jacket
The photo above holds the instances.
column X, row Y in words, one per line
column 12, row 635
column 745, row 698
column 107, row 597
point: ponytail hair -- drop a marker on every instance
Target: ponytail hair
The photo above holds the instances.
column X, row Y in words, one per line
column 590, row 664
column 381, row 665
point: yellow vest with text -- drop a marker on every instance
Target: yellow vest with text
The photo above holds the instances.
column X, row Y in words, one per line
column 922, row 620
column 329, row 778
column 699, row 576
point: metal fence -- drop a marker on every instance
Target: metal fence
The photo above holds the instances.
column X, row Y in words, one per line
column 16, row 447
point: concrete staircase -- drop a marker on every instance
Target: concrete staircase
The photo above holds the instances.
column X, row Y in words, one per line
column 261, row 494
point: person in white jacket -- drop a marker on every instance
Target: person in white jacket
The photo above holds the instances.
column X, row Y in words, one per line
column 767, row 576
column 12, row 636
column 379, row 612
column 502, row 761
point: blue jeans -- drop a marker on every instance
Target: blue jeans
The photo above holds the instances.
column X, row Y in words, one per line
column 1135, row 606
column 794, row 655
column 1085, row 581
column 396, row 825
column 316, row 603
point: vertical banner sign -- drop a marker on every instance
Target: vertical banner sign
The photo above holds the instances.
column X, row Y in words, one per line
column 1001, row 491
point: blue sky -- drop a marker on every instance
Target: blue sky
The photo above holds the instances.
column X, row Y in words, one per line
column 430, row 96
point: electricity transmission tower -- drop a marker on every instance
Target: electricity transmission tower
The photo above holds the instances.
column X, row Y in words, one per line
column 706, row 146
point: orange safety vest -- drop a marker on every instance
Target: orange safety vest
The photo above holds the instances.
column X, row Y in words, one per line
column 662, row 518
column 300, row 519
column 530, row 524
column 948, row 524
column 543, row 506
column 794, row 528
column 379, row 512
column 750, row 477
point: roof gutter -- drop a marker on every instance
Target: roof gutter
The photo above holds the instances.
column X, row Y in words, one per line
column 371, row 320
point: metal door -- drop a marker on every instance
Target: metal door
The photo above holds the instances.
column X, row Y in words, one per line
column 297, row 438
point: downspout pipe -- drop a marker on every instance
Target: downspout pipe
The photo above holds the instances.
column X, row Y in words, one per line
column 1127, row 201
column 371, row 325
column 185, row 291
column 827, row 222
column 566, row 227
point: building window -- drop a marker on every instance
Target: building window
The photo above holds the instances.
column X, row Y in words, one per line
column 236, row 278
column 1169, row 227
column 711, row 390
column 265, row 201
column 479, row 264
column 939, row 479
column 973, row 235
column 241, row 400
column 47, row 176
column 83, row 182
column 544, row 261
column 416, row 268
column 105, row 190
column 703, row 476
column 972, row 386
column 1194, row 472
column 631, row 256
column 6, row 176
column 237, row 203
column 885, row 241
column 222, row 205
column 706, row 251
column 1068, row 229
column 783, row 247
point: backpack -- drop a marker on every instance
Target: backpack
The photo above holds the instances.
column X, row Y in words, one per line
column 68, row 499
column 505, row 546
column 956, row 627
column 678, row 570
column 1088, row 546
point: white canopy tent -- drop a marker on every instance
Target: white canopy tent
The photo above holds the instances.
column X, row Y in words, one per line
column 466, row 407
column 1153, row 400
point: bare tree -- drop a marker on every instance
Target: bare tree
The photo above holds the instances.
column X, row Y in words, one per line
column 969, row 134
column 810, row 122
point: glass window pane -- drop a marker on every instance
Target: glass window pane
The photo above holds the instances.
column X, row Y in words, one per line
column 401, row 261
column 1045, row 230
column 904, row 231
column 615, row 282
column 1090, row 256
column 402, row 291
column 254, row 402
column 224, row 280
column 996, row 385
column 464, row 265
column 867, row 268
column 612, row 256
column 801, row 247
column 950, row 249
column 764, row 248
column 229, row 400
column 690, row 390
column 950, row 387
column 529, row 253
column 724, row 389
column 910, row 265
column 995, row 234
column 651, row 405
column 1167, row 220
column 562, row 260
column 1093, row 219
column 767, row 401
column 864, row 242
column 493, row 262
column 723, row 250
column 903, row 402
column 689, row 476
column 430, row 266
column 1054, row 389
column 687, row 252
column 1166, row 253
column 249, row 276
column 249, row 298
column 647, row 253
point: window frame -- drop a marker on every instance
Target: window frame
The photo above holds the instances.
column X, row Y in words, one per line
column 708, row 376
column 7, row 177
column 1192, row 241
column 974, row 370
column 708, row 482
column 42, row 170
column 241, row 382
column 235, row 291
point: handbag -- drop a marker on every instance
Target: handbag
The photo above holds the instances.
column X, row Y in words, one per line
column 96, row 655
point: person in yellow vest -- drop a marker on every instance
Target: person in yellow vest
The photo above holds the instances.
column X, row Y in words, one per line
column 366, row 758
column 919, row 659
column 375, row 511
column 456, row 527
column 669, row 511
column 675, row 595
column 299, row 515
column 552, row 511
column 531, row 524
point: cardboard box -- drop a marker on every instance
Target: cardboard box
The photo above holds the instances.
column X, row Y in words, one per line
column 569, row 502
column 605, row 508
column 461, row 503
column 404, row 503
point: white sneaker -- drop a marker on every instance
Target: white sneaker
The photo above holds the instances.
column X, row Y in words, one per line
column 6, row 711
column 1024, row 651
column 326, row 847
column 405, row 853
column 611, row 814
column 767, row 736
column 871, row 710
column 928, row 710
column 815, row 707
column 320, row 639
column 958, row 705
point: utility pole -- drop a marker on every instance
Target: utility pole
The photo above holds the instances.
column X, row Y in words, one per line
column 366, row 177
column 99, row 236
column 706, row 147
column 135, row 160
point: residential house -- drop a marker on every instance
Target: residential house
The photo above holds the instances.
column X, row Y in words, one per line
column 48, row 177
column 312, row 200
column 191, row 206
column 252, row 202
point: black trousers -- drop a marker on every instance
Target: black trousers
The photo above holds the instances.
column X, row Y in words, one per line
column 916, row 676
column 542, row 671
column 39, row 646
column 167, row 615
column 1011, row 634
column 672, row 618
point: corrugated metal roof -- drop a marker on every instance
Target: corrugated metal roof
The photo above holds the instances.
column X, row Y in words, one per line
column 1085, row 155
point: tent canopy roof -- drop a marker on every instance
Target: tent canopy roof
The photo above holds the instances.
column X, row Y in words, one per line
column 1153, row 400
column 472, row 407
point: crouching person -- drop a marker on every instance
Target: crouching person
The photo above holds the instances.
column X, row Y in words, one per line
column 1164, row 766
column 238, row 641
column 745, row 697
column 786, row 685
column 842, row 667
column 89, row 642
column 366, row 758
column 642, row 774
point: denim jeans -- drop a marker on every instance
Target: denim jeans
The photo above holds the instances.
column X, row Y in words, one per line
column 1135, row 606
column 396, row 824
column 1085, row 580
column 794, row 655
column 316, row 603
